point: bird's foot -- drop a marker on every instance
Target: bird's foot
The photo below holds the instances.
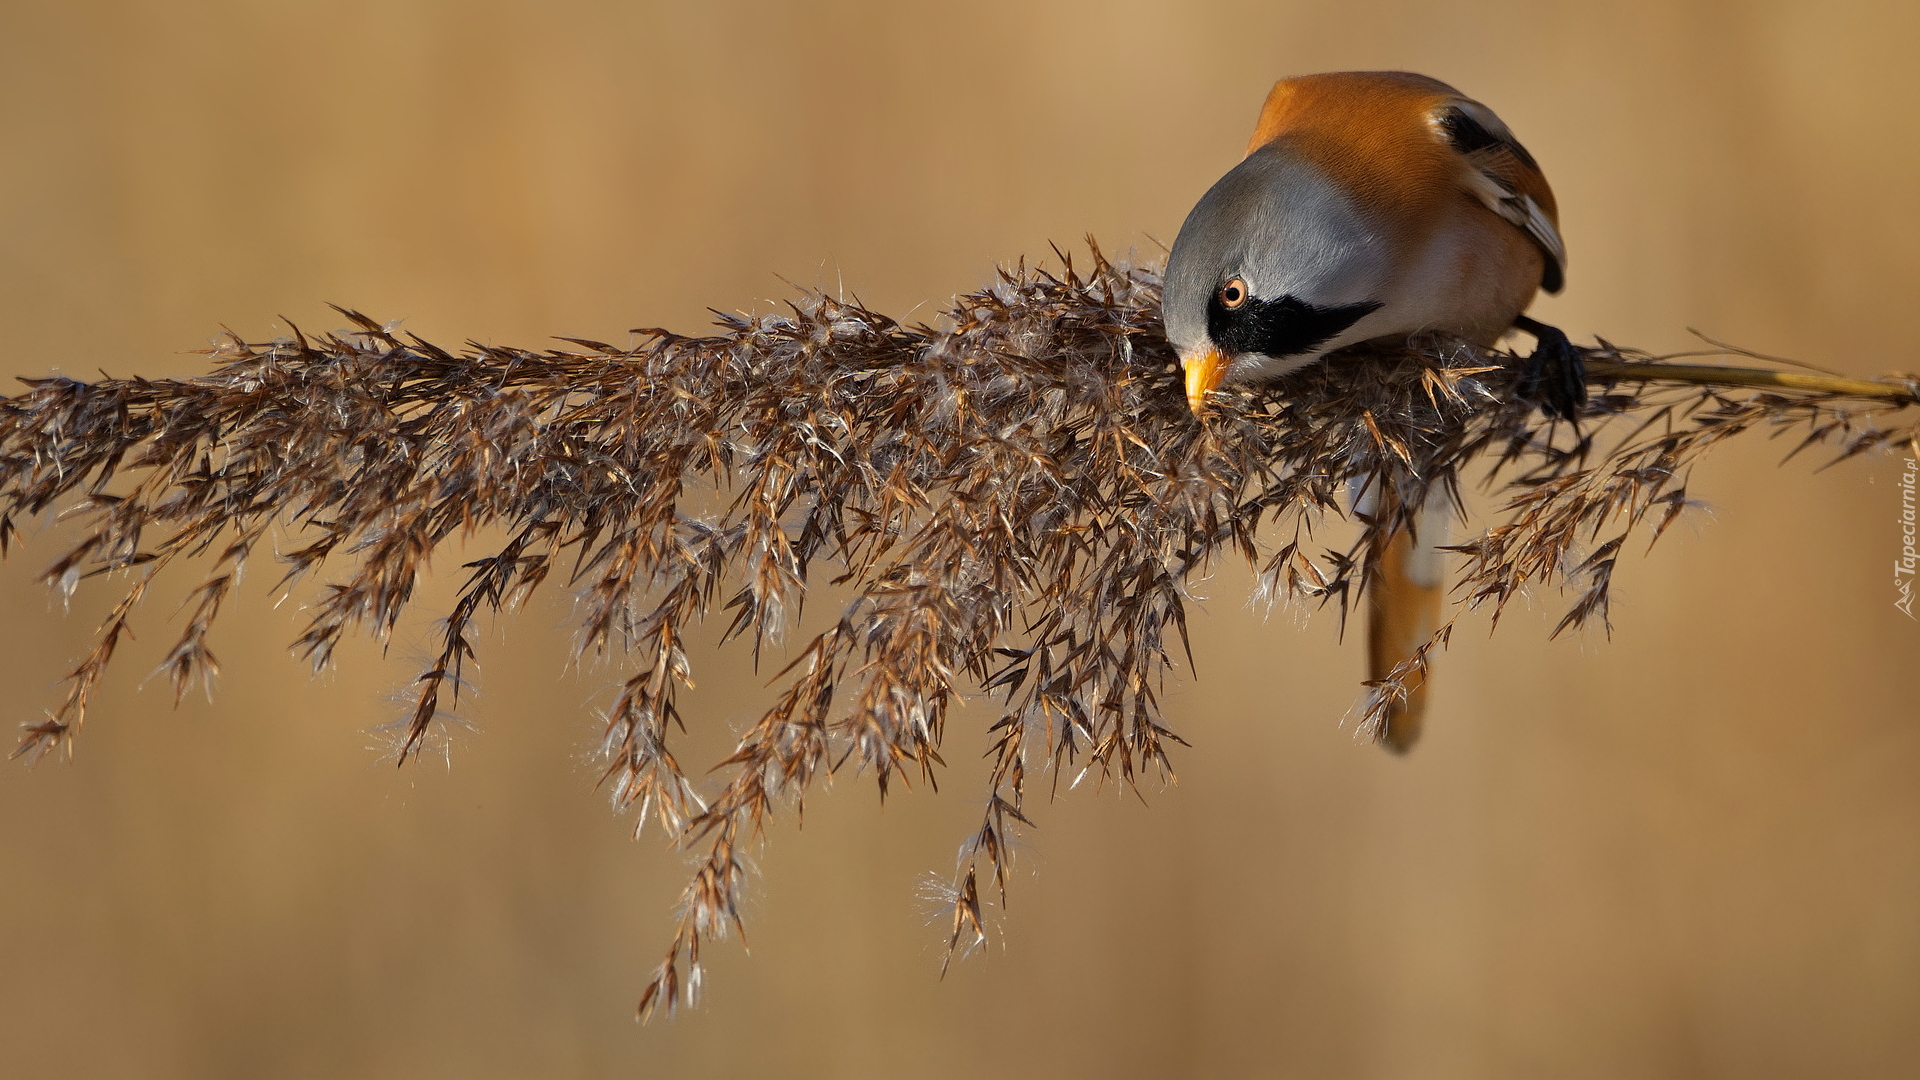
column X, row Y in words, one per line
column 1555, row 376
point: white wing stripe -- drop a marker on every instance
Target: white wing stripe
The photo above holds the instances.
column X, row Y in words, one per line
column 1519, row 209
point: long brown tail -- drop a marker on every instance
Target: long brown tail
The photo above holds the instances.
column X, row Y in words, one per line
column 1403, row 609
column 1402, row 613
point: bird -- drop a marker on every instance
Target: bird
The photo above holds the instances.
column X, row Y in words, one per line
column 1370, row 206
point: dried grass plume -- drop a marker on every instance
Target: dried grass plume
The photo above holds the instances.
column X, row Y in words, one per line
column 1015, row 499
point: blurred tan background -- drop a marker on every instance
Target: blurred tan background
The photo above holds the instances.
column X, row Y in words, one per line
column 1692, row 851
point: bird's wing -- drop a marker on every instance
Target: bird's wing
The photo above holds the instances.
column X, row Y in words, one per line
column 1506, row 179
column 1403, row 606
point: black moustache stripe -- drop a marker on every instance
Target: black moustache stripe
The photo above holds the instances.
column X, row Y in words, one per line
column 1286, row 326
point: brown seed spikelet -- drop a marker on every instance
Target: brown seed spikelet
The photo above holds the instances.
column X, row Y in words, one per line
column 1015, row 500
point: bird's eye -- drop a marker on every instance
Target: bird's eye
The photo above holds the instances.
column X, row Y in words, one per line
column 1233, row 294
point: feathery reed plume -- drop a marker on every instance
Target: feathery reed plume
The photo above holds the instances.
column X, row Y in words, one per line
column 1015, row 500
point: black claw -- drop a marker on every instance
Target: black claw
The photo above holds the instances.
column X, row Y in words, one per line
column 1556, row 374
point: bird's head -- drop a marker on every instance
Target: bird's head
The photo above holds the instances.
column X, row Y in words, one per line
column 1272, row 269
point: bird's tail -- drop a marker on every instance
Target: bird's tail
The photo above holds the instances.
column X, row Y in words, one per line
column 1403, row 606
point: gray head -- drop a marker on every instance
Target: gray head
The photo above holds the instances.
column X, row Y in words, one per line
column 1272, row 269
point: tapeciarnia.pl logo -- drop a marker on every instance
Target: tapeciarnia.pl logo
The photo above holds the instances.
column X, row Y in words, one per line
column 1904, row 566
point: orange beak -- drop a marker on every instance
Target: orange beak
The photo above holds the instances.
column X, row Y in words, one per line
column 1204, row 369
